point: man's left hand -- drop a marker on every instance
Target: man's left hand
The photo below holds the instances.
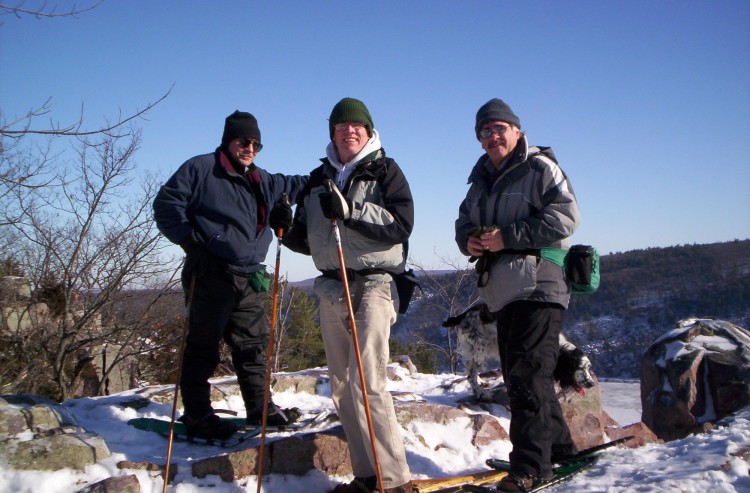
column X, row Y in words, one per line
column 492, row 241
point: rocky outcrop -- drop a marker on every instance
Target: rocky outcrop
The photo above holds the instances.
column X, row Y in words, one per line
column 482, row 428
column 119, row 484
column 639, row 432
column 328, row 451
column 695, row 374
column 582, row 410
column 308, row 381
column 14, row 289
column 51, row 431
column 39, row 434
column 17, row 312
column 583, row 413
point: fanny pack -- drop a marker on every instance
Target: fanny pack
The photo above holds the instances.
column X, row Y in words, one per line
column 581, row 266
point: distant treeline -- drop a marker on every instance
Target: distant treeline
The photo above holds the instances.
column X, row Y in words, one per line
column 643, row 294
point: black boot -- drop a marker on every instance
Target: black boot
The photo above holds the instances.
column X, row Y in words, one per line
column 358, row 485
column 276, row 416
column 562, row 452
column 513, row 483
column 209, row 427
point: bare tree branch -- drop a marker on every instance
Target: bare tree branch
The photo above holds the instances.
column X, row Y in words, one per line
column 85, row 241
column 45, row 11
column 73, row 129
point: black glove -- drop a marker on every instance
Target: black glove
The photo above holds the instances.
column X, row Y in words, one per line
column 197, row 258
column 280, row 217
column 334, row 204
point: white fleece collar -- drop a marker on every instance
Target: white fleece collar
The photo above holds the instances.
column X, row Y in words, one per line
column 345, row 169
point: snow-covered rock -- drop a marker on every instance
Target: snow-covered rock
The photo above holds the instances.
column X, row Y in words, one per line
column 695, row 374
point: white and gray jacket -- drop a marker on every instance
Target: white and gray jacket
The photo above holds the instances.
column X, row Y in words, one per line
column 533, row 203
column 382, row 217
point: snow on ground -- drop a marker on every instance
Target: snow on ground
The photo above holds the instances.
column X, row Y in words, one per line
column 699, row 463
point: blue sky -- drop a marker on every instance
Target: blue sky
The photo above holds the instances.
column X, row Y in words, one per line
column 646, row 103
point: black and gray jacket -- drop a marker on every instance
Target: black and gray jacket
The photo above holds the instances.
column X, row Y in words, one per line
column 382, row 217
column 533, row 204
column 207, row 200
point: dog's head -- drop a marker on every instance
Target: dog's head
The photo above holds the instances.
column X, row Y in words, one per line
column 574, row 369
column 478, row 313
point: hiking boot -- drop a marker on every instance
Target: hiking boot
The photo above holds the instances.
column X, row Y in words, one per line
column 562, row 452
column 370, row 485
column 358, row 485
column 209, row 427
column 276, row 416
column 404, row 488
column 511, row 482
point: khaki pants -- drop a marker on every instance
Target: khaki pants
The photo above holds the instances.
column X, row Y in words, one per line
column 374, row 318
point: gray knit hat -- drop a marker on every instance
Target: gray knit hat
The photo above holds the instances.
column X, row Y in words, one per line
column 350, row 110
column 495, row 109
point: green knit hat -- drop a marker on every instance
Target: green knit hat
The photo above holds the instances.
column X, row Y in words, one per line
column 350, row 110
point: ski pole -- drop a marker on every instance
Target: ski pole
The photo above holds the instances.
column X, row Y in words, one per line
column 355, row 342
column 269, row 357
column 179, row 375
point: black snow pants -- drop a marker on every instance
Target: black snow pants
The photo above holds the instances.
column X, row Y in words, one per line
column 224, row 306
column 528, row 339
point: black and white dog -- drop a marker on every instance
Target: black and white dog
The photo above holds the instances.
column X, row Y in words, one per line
column 477, row 346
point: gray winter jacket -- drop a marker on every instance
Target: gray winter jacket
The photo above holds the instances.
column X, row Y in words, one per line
column 533, row 204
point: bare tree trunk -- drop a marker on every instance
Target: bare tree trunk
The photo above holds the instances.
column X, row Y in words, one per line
column 446, row 291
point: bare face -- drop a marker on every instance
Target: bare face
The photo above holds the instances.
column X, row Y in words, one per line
column 244, row 150
column 349, row 138
column 499, row 139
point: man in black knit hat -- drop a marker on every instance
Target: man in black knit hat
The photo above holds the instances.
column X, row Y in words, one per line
column 520, row 201
column 219, row 208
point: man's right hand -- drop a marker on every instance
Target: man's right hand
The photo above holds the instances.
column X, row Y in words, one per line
column 474, row 246
column 280, row 217
column 197, row 258
column 334, row 204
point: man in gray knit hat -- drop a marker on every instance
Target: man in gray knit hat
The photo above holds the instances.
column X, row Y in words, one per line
column 520, row 201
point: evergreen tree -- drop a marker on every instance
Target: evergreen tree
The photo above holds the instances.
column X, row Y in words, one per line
column 299, row 343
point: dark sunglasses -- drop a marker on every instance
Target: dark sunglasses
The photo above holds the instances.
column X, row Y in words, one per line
column 245, row 142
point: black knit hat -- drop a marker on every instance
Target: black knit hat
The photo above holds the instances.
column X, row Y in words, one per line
column 350, row 110
column 495, row 109
column 238, row 125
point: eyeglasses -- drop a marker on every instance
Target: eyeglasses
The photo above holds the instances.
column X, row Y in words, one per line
column 341, row 127
column 245, row 142
column 494, row 129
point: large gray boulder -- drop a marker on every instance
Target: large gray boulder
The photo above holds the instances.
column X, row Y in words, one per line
column 695, row 374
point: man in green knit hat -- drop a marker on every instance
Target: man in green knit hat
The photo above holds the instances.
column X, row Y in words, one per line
column 368, row 196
